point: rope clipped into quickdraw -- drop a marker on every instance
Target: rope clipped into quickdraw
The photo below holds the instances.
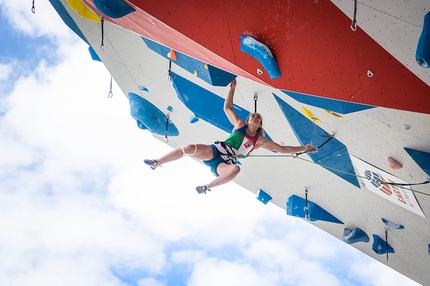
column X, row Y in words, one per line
column 354, row 18
column 33, row 8
column 167, row 128
column 325, row 142
column 110, row 94
column 386, row 243
column 169, row 71
column 306, row 204
column 102, row 45
column 255, row 102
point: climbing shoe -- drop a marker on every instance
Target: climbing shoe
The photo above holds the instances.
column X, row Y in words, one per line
column 202, row 189
column 152, row 163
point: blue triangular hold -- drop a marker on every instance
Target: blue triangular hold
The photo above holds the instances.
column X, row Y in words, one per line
column 380, row 246
column 421, row 158
column 342, row 107
column 333, row 155
column 208, row 73
column 296, row 206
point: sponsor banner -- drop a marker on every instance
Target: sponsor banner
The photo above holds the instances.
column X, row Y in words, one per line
column 402, row 196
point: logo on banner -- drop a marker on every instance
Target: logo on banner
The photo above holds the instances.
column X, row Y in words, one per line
column 378, row 182
column 384, row 184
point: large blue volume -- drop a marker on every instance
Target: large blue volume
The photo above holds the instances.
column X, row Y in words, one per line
column 148, row 116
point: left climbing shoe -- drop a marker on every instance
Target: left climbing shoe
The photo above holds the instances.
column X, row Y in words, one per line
column 202, row 189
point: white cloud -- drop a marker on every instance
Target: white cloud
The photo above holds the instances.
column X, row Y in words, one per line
column 150, row 282
column 221, row 272
column 45, row 22
column 5, row 71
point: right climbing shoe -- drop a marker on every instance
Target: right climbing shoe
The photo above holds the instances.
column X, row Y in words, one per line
column 202, row 189
column 152, row 163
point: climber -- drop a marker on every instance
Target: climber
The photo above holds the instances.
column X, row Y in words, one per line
column 222, row 156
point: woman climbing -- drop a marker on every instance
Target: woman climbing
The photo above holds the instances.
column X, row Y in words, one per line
column 221, row 157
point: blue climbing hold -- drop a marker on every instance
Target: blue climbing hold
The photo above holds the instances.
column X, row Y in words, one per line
column 333, row 156
column 342, row 107
column 392, row 225
column 421, row 158
column 422, row 55
column 296, row 206
column 140, row 125
column 142, row 88
column 113, row 8
column 149, row 116
column 263, row 197
column 262, row 53
column 94, row 55
column 193, row 120
column 353, row 236
column 208, row 73
column 380, row 246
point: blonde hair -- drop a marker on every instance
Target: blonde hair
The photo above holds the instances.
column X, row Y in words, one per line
column 260, row 130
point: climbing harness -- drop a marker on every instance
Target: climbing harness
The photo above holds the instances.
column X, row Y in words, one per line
column 354, row 18
column 228, row 152
column 102, row 21
column 110, row 94
column 33, row 8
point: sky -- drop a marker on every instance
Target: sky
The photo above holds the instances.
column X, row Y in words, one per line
column 79, row 207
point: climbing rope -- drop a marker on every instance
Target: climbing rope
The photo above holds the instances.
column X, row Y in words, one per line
column 401, row 186
column 354, row 18
column 33, row 8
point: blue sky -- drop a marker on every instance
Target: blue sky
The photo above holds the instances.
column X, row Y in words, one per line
column 78, row 207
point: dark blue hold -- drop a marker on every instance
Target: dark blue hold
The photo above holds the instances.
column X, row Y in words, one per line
column 262, row 53
column 422, row 55
column 149, row 116
column 380, row 246
column 392, row 225
column 93, row 54
column 194, row 120
column 421, row 158
column 142, row 88
column 113, row 8
column 263, row 197
column 296, row 206
column 206, row 72
column 140, row 125
column 354, row 236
